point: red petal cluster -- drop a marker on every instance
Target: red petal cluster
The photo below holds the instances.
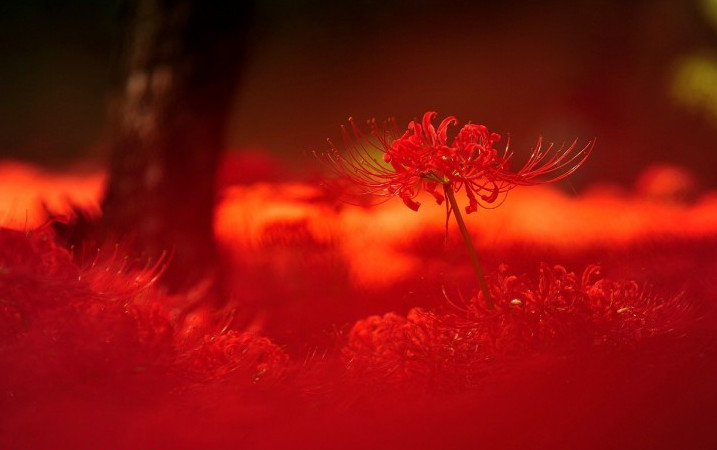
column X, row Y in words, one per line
column 235, row 355
column 424, row 158
column 62, row 324
column 58, row 328
column 561, row 314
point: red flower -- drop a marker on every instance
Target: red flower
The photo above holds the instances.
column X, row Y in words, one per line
column 423, row 158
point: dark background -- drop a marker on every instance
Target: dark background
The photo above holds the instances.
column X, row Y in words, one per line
column 640, row 76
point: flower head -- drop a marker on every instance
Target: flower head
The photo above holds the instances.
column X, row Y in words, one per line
column 425, row 158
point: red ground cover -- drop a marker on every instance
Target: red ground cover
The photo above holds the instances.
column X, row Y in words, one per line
column 357, row 327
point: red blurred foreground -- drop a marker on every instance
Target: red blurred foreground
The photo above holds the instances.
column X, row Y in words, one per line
column 353, row 327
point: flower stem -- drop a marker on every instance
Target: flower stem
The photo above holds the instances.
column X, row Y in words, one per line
column 448, row 189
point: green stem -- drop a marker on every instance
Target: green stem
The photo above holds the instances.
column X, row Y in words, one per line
column 448, row 189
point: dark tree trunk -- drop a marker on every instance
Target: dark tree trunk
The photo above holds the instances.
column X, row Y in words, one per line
column 182, row 61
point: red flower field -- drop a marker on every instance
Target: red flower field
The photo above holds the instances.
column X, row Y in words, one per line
column 351, row 326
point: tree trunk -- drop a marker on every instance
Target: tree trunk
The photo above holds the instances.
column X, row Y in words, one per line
column 182, row 61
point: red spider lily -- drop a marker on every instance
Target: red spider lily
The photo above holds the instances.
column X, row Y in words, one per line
column 423, row 158
column 559, row 313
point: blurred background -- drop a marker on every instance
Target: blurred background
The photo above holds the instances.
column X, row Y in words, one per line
column 639, row 76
